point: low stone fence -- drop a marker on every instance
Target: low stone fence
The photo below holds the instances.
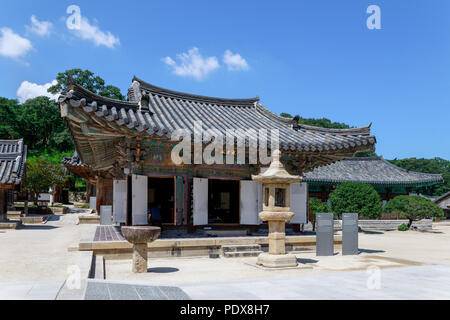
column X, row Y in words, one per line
column 382, row 225
column 387, row 225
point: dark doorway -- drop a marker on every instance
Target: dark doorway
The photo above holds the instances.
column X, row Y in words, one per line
column 161, row 197
column 223, row 202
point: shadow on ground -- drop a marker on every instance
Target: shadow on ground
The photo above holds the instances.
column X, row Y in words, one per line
column 370, row 251
column 370, row 231
column 36, row 227
column 304, row 261
column 162, row 270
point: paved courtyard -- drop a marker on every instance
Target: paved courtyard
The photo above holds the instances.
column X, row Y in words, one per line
column 392, row 265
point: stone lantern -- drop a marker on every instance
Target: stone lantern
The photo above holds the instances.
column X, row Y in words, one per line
column 276, row 183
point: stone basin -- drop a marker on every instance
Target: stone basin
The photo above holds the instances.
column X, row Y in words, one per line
column 142, row 234
column 139, row 236
column 276, row 216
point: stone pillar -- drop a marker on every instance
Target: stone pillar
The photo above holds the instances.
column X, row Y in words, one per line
column 277, row 237
column 104, row 196
column 140, row 257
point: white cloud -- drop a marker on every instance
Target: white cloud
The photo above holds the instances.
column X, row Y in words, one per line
column 12, row 45
column 29, row 90
column 91, row 32
column 41, row 28
column 234, row 61
column 192, row 64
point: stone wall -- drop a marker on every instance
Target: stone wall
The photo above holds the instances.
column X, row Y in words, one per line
column 387, row 225
column 382, row 225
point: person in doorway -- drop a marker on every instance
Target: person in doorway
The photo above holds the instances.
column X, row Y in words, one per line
column 155, row 216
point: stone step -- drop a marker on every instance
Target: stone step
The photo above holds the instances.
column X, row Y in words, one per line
column 241, row 254
column 241, row 248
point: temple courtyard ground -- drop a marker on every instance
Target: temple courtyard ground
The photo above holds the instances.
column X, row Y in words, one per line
column 34, row 264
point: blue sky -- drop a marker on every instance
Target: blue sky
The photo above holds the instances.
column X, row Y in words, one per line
column 312, row 58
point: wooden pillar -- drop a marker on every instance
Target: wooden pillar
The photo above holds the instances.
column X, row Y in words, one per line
column 388, row 194
column 3, row 205
column 190, row 226
column 104, row 196
column 324, row 194
column 89, row 190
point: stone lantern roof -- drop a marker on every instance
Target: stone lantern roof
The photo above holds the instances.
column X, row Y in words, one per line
column 276, row 173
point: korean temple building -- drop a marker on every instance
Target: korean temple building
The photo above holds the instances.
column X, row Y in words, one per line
column 388, row 179
column 444, row 203
column 124, row 148
column 13, row 157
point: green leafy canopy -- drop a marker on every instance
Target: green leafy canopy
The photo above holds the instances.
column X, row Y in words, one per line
column 355, row 197
column 413, row 208
column 42, row 175
column 87, row 80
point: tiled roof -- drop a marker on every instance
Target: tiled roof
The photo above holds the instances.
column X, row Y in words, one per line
column 440, row 199
column 13, row 157
column 374, row 170
column 156, row 111
column 74, row 161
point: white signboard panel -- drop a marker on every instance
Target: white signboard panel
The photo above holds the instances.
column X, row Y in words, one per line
column 120, row 201
column 93, row 203
column 200, row 195
column 251, row 204
column 139, row 186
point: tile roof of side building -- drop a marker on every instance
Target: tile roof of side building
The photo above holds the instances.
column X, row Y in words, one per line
column 156, row 111
column 13, row 157
column 374, row 170
column 441, row 201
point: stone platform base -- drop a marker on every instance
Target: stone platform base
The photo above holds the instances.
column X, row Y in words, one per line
column 30, row 219
column 89, row 219
column 10, row 224
column 277, row 261
column 14, row 215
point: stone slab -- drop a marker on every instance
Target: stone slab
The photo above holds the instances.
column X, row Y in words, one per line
column 102, row 290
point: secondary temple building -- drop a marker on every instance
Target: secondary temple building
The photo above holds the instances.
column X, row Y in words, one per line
column 124, row 147
column 13, row 157
column 388, row 179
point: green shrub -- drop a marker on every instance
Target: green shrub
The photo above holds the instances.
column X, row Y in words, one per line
column 317, row 206
column 403, row 227
column 356, row 197
column 413, row 208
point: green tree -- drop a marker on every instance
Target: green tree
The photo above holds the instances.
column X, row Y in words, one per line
column 414, row 208
column 317, row 206
column 322, row 123
column 356, row 197
column 8, row 119
column 41, row 176
column 41, row 125
column 87, row 80
column 435, row 165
